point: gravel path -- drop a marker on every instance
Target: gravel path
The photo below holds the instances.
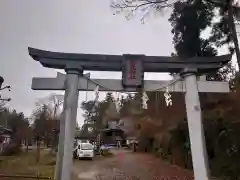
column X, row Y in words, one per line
column 129, row 166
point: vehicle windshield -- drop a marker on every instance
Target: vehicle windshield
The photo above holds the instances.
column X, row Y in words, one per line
column 86, row 146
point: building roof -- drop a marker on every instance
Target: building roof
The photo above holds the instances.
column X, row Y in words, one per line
column 111, row 129
column 4, row 130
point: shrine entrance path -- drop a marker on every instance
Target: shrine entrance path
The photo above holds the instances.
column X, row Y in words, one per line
column 130, row 166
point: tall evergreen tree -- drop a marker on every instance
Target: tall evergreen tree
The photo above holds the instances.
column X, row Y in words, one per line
column 189, row 19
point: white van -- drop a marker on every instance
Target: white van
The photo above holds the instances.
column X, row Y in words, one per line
column 85, row 150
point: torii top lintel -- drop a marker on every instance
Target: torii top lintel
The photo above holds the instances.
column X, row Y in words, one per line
column 100, row 62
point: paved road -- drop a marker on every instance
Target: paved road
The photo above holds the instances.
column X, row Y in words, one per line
column 129, row 166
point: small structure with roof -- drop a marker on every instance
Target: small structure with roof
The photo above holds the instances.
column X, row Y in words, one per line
column 5, row 137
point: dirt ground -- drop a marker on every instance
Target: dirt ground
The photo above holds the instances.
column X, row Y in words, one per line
column 129, row 166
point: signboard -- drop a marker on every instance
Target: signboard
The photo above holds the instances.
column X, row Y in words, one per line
column 132, row 72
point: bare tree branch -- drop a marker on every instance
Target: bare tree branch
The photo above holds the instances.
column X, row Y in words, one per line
column 54, row 103
column 131, row 7
column 135, row 3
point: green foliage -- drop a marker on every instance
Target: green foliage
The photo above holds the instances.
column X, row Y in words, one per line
column 132, row 105
column 12, row 119
column 95, row 114
column 189, row 19
column 19, row 126
column 15, row 122
column 126, row 104
column 221, row 32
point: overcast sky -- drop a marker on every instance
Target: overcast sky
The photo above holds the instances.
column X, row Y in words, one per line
column 78, row 26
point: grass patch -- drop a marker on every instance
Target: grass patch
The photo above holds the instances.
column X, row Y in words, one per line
column 25, row 164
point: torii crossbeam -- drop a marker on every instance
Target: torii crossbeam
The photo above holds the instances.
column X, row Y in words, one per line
column 87, row 84
column 133, row 68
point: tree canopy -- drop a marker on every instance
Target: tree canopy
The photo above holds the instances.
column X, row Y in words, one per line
column 97, row 114
column 16, row 122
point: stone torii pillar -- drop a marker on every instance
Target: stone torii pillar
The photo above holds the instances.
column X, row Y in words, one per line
column 68, row 124
column 195, row 126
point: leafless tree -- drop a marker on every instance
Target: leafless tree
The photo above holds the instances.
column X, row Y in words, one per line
column 54, row 104
column 40, row 130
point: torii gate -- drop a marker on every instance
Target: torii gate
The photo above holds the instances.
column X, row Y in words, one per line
column 133, row 68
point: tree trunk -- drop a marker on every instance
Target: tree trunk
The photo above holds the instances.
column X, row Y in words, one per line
column 56, row 141
column 178, row 156
column 38, row 151
column 134, row 147
column 26, row 145
column 233, row 31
